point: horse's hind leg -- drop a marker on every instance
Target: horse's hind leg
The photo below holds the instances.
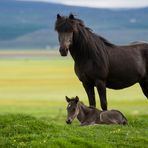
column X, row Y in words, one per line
column 144, row 86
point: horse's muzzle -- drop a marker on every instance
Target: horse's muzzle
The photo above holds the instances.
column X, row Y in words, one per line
column 63, row 51
column 68, row 121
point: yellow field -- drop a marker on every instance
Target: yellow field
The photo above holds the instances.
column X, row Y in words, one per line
column 38, row 86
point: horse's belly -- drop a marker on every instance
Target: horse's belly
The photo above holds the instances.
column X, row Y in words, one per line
column 125, row 76
column 124, row 79
column 119, row 84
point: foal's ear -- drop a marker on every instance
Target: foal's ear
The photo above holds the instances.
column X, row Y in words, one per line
column 71, row 16
column 77, row 99
column 67, row 99
column 58, row 16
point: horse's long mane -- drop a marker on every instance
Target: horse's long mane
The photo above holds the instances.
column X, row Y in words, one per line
column 85, row 40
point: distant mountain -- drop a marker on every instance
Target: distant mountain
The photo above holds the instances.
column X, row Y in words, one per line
column 31, row 24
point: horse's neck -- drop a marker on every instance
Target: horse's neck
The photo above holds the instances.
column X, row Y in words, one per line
column 79, row 50
column 79, row 56
column 83, row 112
column 83, row 50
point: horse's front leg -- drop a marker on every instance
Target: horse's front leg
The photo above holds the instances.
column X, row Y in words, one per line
column 90, row 93
column 101, row 87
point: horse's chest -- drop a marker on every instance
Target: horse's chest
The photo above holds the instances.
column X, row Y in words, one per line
column 85, row 72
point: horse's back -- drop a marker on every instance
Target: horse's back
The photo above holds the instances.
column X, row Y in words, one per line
column 138, row 42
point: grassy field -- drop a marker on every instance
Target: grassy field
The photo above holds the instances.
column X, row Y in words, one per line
column 33, row 108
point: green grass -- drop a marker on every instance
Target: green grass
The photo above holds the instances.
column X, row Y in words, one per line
column 19, row 130
column 33, row 108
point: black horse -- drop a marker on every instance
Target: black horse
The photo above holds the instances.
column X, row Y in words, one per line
column 99, row 63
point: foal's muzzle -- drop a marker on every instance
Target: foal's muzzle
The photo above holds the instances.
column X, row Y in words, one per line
column 63, row 51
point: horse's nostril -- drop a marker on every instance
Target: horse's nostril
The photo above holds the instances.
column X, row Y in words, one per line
column 63, row 51
column 68, row 122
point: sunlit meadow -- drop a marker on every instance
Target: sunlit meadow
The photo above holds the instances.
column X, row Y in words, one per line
column 33, row 107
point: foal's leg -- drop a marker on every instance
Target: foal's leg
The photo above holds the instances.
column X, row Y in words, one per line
column 101, row 87
column 90, row 93
column 144, row 86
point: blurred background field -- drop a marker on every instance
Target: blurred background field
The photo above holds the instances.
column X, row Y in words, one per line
column 38, row 86
column 29, row 24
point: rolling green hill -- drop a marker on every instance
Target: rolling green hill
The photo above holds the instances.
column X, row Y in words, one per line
column 31, row 24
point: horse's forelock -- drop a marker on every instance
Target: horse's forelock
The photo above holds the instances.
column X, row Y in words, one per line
column 65, row 24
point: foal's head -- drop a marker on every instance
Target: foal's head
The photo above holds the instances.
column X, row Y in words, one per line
column 72, row 109
column 66, row 26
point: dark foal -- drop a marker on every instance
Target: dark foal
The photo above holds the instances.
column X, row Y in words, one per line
column 91, row 115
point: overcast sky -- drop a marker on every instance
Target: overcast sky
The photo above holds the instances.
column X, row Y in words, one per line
column 101, row 3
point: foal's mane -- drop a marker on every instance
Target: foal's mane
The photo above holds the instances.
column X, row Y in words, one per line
column 85, row 107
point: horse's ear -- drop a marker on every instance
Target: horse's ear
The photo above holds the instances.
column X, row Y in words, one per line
column 71, row 16
column 67, row 99
column 77, row 99
column 58, row 16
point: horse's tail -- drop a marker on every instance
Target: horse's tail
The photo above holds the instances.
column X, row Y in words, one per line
column 147, row 60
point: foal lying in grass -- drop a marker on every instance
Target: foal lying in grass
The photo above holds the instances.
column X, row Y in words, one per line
column 90, row 115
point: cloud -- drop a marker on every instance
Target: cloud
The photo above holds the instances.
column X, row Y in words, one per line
column 101, row 3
